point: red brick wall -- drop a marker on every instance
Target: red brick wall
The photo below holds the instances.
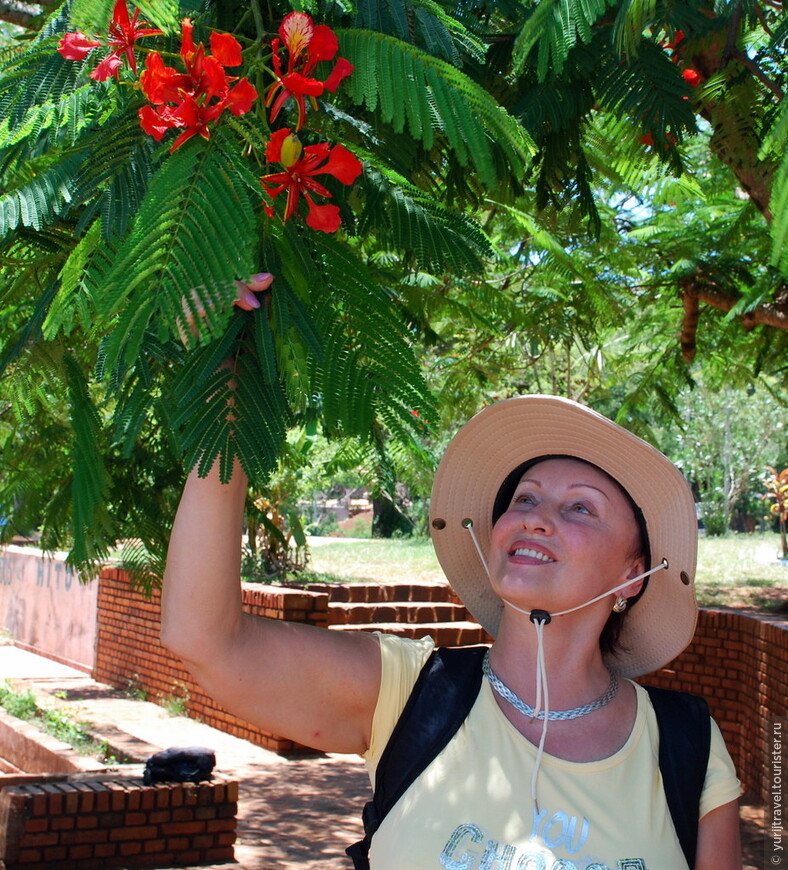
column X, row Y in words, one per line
column 129, row 654
column 737, row 660
column 94, row 824
column 739, row 663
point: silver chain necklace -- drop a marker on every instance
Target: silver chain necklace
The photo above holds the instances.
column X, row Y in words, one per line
column 526, row 709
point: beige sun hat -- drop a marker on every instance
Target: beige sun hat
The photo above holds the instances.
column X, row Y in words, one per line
column 505, row 435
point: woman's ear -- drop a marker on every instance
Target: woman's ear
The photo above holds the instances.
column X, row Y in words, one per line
column 638, row 567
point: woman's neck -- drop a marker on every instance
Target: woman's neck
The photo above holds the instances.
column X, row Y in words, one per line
column 574, row 665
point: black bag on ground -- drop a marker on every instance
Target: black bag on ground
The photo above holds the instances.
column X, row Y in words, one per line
column 179, row 764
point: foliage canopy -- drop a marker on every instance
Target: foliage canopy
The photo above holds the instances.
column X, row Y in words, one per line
column 499, row 143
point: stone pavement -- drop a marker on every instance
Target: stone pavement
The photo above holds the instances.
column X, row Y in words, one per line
column 292, row 812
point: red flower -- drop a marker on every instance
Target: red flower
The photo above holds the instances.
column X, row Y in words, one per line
column 123, row 33
column 648, row 139
column 692, row 77
column 307, row 44
column 226, row 49
column 301, row 165
column 76, row 46
column 673, row 43
column 155, row 123
column 194, row 99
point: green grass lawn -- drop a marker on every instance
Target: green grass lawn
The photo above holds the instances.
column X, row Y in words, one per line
column 735, row 570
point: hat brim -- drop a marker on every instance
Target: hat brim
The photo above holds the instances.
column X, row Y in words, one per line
column 510, row 432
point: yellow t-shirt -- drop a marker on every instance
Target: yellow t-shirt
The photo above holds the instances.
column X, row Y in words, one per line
column 471, row 809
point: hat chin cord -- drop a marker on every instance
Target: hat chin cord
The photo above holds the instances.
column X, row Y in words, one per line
column 541, row 618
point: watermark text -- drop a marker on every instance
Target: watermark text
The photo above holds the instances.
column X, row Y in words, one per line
column 775, row 807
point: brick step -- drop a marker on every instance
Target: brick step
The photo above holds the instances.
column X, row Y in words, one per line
column 7, row 767
column 444, row 633
column 385, row 592
column 348, row 612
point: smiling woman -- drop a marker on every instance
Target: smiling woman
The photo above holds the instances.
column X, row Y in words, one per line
column 566, row 518
column 555, row 761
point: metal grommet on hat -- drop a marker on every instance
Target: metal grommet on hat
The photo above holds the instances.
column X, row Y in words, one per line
column 505, row 435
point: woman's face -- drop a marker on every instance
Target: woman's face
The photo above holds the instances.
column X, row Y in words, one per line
column 568, row 535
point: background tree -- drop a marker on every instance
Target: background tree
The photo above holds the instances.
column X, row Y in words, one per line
column 729, row 438
column 513, row 228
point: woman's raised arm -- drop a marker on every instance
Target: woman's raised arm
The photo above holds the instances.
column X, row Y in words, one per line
column 312, row 685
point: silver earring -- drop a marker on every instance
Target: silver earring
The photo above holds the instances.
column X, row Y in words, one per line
column 621, row 604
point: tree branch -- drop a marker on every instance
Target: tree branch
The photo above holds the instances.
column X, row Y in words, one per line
column 759, row 74
column 695, row 289
column 689, row 326
column 735, row 140
column 20, row 13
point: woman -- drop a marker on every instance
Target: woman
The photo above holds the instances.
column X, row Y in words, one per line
column 573, row 543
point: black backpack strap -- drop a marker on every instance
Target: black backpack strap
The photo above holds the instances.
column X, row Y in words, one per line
column 684, row 724
column 439, row 703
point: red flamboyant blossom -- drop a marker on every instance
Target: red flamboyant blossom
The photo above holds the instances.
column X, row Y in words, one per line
column 77, row 46
column 648, row 139
column 307, row 44
column 123, row 33
column 673, row 43
column 301, row 165
column 193, row 99
column 692, row 77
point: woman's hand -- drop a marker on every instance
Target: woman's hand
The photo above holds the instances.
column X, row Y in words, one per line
column 245, row 299
column 246, row 291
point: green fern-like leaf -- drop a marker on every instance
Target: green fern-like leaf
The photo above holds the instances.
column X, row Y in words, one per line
column 774, row 148
column 369, row 359
column 72, row 302
column 348, row 395
column 195, row 231
column 255, row 429
column 143, row 563
column 779, row 208
column 93, row 16
column 39, row 77
column 41, row 200
column 554, row 28
column 404, row 218
column 632, row 19
column 134, row 405
column 15, row 344
column 262, row 419
column 393, row 78
column 89, row 487
column 61, row 121
column 649, row 91
column 164, row 14
column 424, row 23
column 546, row 241
column 114, row 180
column 450, row 36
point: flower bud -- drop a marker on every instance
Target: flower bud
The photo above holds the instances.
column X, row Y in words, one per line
column 291, row 151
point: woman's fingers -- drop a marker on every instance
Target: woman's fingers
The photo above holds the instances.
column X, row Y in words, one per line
column 189, row 322
column 194, row 310
column 261, row 281
column 246, row 291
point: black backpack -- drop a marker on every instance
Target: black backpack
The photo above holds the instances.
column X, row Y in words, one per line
column 443, row 696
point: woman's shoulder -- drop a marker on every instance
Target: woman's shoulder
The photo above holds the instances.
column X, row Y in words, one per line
column 402, row 659
column 721, row 784
column 401, row 662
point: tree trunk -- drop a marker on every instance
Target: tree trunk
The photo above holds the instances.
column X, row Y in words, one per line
column 388, row 519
